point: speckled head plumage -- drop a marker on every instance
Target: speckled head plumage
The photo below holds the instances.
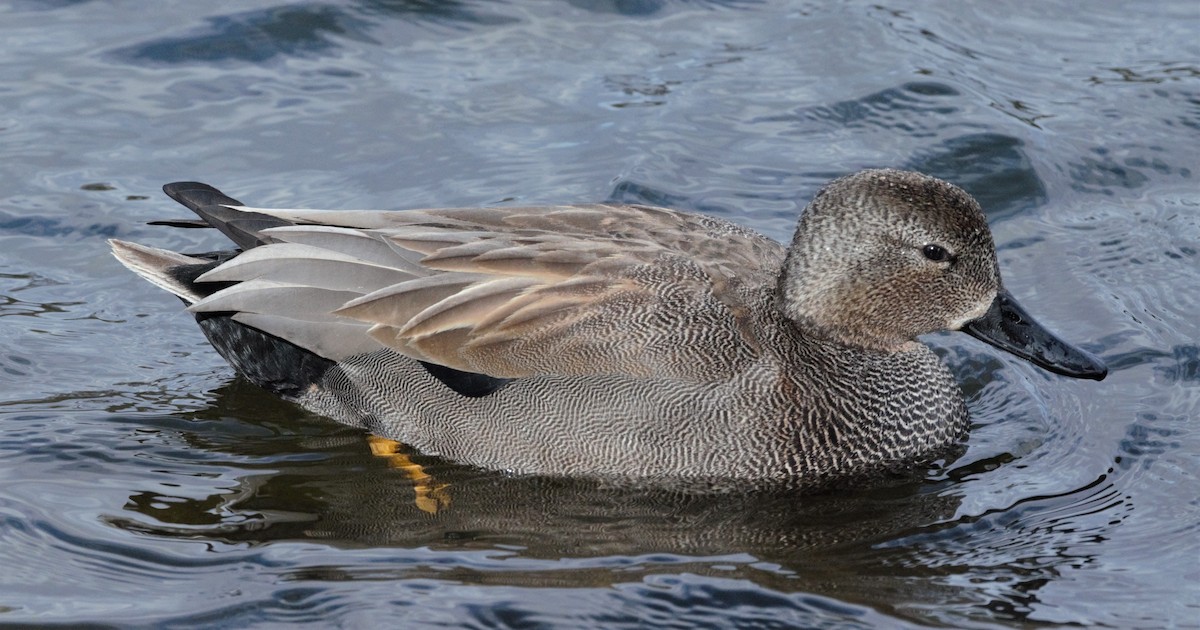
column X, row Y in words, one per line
column 882, row 256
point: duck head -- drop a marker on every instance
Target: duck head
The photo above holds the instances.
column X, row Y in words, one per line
column 882, row 256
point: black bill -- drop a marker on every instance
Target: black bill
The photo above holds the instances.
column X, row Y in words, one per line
column 1007, row 326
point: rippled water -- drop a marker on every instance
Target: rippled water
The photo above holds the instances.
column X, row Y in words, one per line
column 143, row 484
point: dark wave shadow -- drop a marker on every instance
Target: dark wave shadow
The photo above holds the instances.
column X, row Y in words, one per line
column 642, row 8
column 993, row 167
column 314, row 29
column 915, row 109
column 306, row 30
column 18, row 6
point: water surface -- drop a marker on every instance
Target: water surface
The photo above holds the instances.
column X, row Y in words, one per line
column 145, row 485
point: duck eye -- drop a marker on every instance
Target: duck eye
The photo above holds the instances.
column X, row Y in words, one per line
column 936, row 253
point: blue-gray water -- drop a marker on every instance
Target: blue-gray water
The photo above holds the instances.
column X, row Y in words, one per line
column 142, row 484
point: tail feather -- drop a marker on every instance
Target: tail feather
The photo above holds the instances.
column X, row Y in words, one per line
column 195, row 195
column 155, row 265
column 217, row 210
column 248, row 339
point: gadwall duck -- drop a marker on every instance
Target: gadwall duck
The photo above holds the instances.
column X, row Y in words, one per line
column 607, row 339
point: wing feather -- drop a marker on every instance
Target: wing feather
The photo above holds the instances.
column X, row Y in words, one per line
column 510, row 292
column 267, row 296
column 366, row 246
column 335, row 340
column 307, row 265
column 465, row 308
column 397, row 304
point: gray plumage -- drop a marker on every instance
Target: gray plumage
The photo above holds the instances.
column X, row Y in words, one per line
column 620, row 339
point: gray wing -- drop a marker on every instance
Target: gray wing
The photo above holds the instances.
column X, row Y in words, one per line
column 510, row 292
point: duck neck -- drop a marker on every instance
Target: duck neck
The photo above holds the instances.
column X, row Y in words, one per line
column 814, row 322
